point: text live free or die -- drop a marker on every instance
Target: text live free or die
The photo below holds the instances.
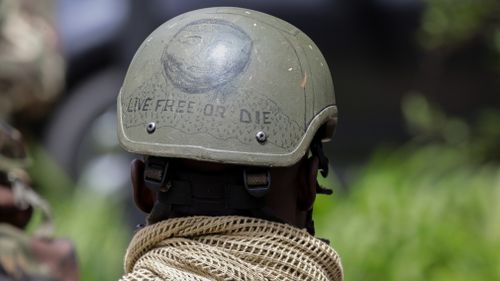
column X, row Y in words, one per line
column 180, row 106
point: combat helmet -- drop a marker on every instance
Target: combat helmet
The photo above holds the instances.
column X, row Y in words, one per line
column 227, row 85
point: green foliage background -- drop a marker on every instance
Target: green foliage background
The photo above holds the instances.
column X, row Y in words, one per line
column 95, row 224
column 429, row 210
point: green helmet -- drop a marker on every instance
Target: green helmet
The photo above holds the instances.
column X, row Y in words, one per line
column 227, row 85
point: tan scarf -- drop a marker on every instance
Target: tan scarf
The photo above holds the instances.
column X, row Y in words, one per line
column 228, row 248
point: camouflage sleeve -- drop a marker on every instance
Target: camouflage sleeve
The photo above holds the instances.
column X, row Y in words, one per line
column 25, row 258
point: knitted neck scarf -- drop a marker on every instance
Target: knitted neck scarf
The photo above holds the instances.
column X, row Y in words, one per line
column 228, row 248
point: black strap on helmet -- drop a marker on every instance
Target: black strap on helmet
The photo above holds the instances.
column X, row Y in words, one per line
column 317, row 150
column 238, row 192
column 155, row 174
column 183, row 192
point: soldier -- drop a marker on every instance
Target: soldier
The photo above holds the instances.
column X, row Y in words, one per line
column 31, row 76
column 22, row 256
column 229, row 107
column 32, row 67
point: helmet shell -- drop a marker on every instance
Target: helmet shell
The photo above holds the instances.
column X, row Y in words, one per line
column 226, row 85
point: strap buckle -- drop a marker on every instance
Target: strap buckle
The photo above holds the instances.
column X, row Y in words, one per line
column 155, row 174
column 257, row 184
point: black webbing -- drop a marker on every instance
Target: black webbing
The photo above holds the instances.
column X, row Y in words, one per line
column 194, row 193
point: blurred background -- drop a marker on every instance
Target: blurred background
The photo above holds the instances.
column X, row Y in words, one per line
column 416, row 155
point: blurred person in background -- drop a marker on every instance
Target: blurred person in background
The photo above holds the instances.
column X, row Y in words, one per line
column 230, row 107
column 32, row 68
column 31, row 77
column 23, row 256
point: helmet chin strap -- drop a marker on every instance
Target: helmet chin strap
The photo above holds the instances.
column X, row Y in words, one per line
column 317, row 150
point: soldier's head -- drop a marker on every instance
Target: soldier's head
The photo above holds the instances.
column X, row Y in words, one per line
column 229, row 106
column 32, row 66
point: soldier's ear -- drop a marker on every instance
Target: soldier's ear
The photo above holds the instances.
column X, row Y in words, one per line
column 144, row 197
column 307, row 188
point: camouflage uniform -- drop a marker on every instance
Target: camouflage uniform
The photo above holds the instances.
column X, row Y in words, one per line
column 24, row 256
column 31, row 76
